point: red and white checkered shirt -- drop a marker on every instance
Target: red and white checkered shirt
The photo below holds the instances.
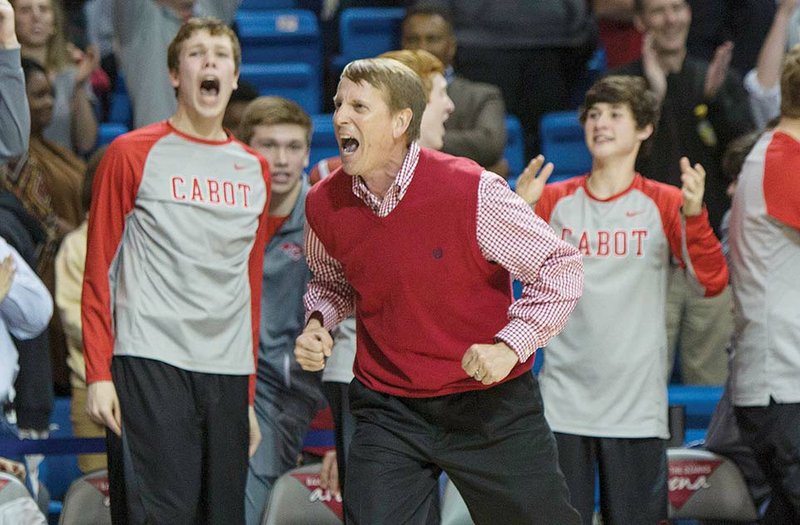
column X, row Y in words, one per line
column 508, row 233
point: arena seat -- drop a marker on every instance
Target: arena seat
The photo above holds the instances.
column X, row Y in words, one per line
column 108, row 131
column 699, row 402
column 57, row 471
column 296, row 499
column 563, row 144
column 87, row 501
column 296, row 81
column 267, row 4
column 121, row 110
column 11, row 488
column 323, row 140
column 16, row 504
column 514, row 152
column 281, row 35
column 707, row 486
column 366, row 32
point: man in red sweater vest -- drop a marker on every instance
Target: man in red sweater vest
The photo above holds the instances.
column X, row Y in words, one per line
column 422, row 245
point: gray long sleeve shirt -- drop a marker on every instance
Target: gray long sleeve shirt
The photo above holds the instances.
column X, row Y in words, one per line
column 15, row 119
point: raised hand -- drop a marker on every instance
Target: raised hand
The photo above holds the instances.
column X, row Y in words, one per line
column 718, row 70
column 86, row 62
column 693, row 180
column 655, row 74
column 530, row 183
column 8, row 37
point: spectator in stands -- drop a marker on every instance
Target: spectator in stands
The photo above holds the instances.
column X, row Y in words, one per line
column 14, row 115
column 172, row 287
column 743, row 23
column 287, row 397
column 41, row 32
column 443, row 363
column 619, row 37
column 240, row 98
column 765, row 255
column 25, row 310
column 69, row 265
column 14, row 140
column 338, row 372
column 762, row 82
column 48, row 185
column 703, row 107
column 535, row 52
column 604, row 389
column 476, row 129
column 144, row 29
column 99, row 16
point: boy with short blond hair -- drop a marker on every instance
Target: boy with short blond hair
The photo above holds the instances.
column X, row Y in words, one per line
column 172, row 290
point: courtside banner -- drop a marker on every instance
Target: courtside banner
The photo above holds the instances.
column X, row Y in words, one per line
column 687, row 476
column 317, row 494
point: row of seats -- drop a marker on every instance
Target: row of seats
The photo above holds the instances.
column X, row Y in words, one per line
column 702, row 485
column 290, row 35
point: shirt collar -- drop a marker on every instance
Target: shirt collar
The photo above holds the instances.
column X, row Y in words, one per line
column 401, row 181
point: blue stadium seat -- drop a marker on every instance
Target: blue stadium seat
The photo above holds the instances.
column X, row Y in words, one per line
column 596, row 67
column 284, row 35
column 108, row 131
column 295, row 81
column 267, row 4
column 120, row 111
column 366, row 32
column 514, row 152
column 700, row 401
column 563, row 144
column 56, row 472
column 323, row 140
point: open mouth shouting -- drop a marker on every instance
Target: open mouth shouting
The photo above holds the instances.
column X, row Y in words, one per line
column 209, row 89
column 348, row 144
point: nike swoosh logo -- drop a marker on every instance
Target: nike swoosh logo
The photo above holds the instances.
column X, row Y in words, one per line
column 238, row 167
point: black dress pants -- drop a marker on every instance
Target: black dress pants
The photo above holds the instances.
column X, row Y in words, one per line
column 494, row 444
column 182, row 457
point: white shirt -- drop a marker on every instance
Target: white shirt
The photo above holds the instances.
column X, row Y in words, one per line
column 24, row 313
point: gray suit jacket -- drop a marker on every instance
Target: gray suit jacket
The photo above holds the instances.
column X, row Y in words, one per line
column 476, row 129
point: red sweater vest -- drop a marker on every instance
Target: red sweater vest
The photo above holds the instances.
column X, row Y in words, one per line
column 424, row 292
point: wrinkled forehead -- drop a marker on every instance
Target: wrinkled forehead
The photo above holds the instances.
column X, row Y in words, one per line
column 361, row 89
